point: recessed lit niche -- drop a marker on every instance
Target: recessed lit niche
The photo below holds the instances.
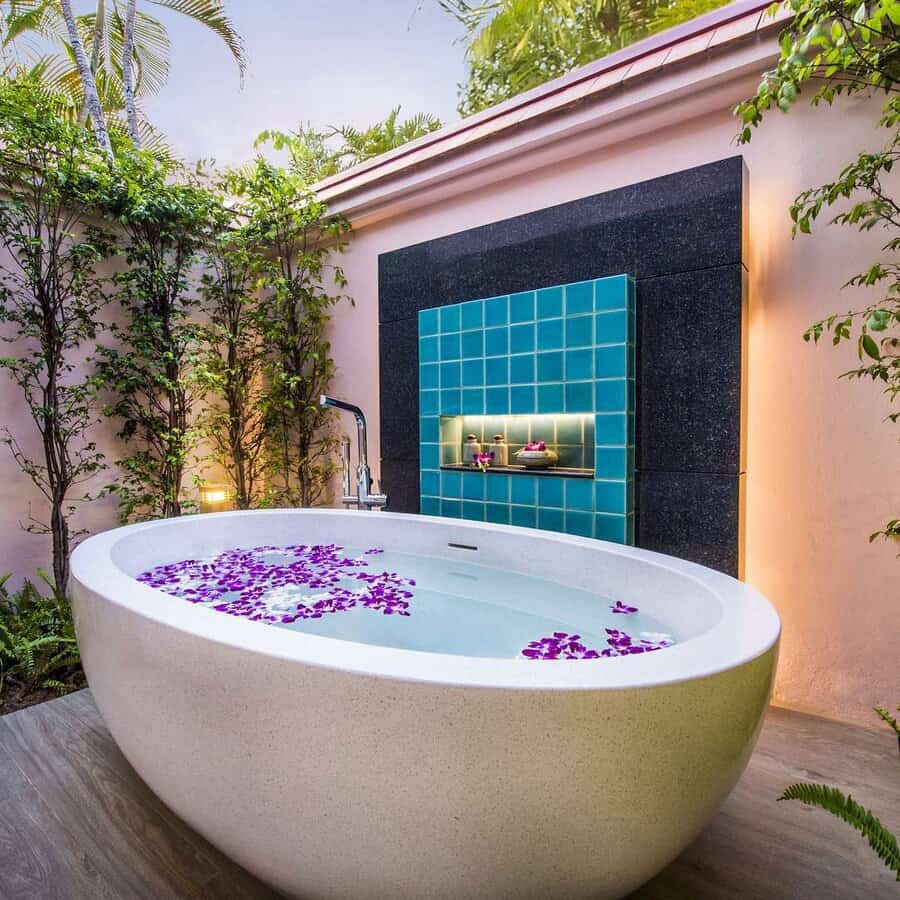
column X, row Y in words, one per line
column 568, row 439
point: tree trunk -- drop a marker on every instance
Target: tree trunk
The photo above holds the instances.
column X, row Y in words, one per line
column 128, row 74
column 99, row 27
column 91, row 97
column 59, row 533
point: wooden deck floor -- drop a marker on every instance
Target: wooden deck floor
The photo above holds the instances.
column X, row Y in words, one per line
column 76, row 823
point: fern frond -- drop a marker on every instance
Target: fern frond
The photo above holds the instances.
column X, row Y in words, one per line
column 882, row 841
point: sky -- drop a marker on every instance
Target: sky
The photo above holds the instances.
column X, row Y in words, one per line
column 327, row 63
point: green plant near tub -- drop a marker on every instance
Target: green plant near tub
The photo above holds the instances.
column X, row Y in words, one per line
column 301, row 284
column 38, row 651
column 165, row 212
column 882, row 841
column 52, row 179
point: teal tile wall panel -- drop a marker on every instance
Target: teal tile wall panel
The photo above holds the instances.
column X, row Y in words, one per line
column 560, row 350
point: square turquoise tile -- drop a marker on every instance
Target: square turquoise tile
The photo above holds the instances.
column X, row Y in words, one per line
column 497, row 512
column 430, row 506
column 496, row 341
column 430, row 483
column 428, row 377
column 429, row 429
column 550, row 366
column 611, row 361
column 579, row 493
column 451, row 402
column 496, row 488
column 611, row 528
column 551, row 519
column 579, row 396
column 549, row 303
column 496, row 401
column 579, row 298
column 611, row 497
column 579, row 523
column 521, row 338
column 473, row 401
column 522, row 369
column 450, row 346
column 450, row 318
column 523, row 489
column 471, row 315
column 521, row 307
column 579, row 331
column 551, row 491
column 450, row 374
column 579, row 365
column 550, row 334
column 611, row 327
column 610, row 462
column 472, row 510
column 496, row 371
column 471, row 344
column 451, row 508
column 550, row 398
column 611, row 293
column 611, row 429
column 429, row 320
column 429, row 456
column 522, row 399
column 473, row 485
column 428, row 350
column 524, row 516
column 429, row 403
column 451, row 484
column 473, row 372
column 612, row 395
column 496, row 311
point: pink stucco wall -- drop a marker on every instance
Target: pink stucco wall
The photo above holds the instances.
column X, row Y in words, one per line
column 823, row 467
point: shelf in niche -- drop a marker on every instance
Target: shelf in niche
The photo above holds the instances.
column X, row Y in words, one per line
column 552, row 472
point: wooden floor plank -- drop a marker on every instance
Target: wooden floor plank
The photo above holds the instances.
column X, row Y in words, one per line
column 76, row 823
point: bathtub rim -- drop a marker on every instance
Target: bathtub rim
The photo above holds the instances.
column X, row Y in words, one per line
column 749, row 626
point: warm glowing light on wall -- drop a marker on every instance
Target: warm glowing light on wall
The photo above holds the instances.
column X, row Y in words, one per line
column 216, row 497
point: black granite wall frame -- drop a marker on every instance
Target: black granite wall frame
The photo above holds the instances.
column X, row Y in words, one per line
column 682, row 237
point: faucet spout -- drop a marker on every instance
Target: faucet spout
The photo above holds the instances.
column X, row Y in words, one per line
column 365, row 498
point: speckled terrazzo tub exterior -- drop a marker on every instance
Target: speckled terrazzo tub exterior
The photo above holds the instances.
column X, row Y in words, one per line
column 334, row 769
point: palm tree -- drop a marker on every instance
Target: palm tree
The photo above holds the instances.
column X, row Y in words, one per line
column 91, row 98
column 515, row 45
column 363, row 144
column 39, row 38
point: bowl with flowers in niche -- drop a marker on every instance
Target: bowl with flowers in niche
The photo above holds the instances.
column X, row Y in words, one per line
column 535, row 455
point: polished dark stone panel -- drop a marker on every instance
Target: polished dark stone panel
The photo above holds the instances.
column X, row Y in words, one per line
column 694, row 516
column 398, row 361
column 675, row 223
column 400, row 478
column 689, row 371
column 690, row 220
column 683, row 238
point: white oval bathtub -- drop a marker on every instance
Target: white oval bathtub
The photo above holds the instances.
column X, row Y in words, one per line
column 340, row 769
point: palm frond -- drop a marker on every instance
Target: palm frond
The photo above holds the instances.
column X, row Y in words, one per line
column 882, row 841
column 211, row 14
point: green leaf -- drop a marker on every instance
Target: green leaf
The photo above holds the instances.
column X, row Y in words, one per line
column 833, row 801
